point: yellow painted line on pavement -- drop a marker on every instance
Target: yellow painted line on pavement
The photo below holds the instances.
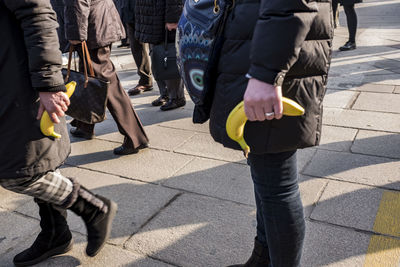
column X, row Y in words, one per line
column 382, row 250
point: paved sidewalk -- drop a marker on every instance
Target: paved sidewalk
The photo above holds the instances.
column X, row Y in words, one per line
column 187, row 201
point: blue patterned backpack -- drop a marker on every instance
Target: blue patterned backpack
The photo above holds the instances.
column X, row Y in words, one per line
column 199, row 39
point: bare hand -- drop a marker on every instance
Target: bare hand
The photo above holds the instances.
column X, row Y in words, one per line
column 261, row 98
column 75, row 42
column 171, row 26
column 55, row 103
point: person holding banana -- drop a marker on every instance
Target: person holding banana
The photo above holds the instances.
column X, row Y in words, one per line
column 31, row 83
column 275, row 49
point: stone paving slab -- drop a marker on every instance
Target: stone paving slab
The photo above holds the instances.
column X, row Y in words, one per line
column 198, row 231
column 134, row 205
column 378, row 102
column 368, row 170
column 332, row 246
column 204, row 145
column 377, row 143
column 159, row 137
column 366, row 120
column 109, row 256
column 215, row 178
column 187, row 124
column 389, row 64
column 146, row 97
column 310, row 190
column 15, row 228
column 11, row 201
column 349, row 69
column 337, row 138
column 150, row 115
column 304, row 156
column 98, row 155
column 106, row 130
column 339, row 98
column 378, row 88
column 382, row 77
column 350, row 205
column 167, row 138
column 397, row 90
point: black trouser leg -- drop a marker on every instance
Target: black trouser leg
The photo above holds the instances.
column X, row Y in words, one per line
column 140, row 53
column 351, row 18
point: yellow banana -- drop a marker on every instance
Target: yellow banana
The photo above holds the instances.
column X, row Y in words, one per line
column 237, row 119
column 46, row 124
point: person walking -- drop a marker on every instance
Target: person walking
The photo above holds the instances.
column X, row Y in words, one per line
column 97, row 22
column 32, row 83
column 351, row 18
column 140, row 52
column 152, row 19
column 294, row 63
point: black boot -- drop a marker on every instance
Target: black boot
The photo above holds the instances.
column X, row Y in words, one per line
column 54, row 239
column 349, row 45
column 98, row 213
column 259, row 257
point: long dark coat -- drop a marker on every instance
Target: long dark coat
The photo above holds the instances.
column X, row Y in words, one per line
column 94, row 21
column 151, row 16
column 265, row 38
column 30, row 62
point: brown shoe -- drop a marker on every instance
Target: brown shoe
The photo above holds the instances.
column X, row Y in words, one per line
column 138, row 89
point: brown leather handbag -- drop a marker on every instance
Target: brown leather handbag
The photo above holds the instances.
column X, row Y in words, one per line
column 88, row 102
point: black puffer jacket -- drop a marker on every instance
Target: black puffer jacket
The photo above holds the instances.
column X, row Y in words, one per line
column 30, row 62
column 269, row 37
column 151, row 16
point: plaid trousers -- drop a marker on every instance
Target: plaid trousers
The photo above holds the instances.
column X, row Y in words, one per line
column 51, row 187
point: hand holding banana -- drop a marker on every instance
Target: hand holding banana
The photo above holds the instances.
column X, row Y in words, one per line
column 46, row 123
column 262, row 100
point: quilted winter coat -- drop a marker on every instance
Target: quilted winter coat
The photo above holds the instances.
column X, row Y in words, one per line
column 266, row 38
column 30, row 62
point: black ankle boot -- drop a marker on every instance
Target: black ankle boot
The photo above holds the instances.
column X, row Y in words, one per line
column 54, row 239
column 259, row 257
column 98, row 213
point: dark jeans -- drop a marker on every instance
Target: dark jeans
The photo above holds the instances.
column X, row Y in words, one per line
column 280, row 218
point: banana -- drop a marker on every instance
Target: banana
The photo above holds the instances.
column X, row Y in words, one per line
column 237, row 119
column 46, row 124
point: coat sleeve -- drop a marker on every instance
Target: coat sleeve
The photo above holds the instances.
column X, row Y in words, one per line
column 39, row 25
column 173, row 11
column 280, row 31
column 76, row 15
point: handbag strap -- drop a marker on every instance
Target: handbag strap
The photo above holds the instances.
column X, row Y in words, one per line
column 71, row 50
column 87, row 62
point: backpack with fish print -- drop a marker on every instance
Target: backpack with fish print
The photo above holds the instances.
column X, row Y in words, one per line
column 199, row 40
